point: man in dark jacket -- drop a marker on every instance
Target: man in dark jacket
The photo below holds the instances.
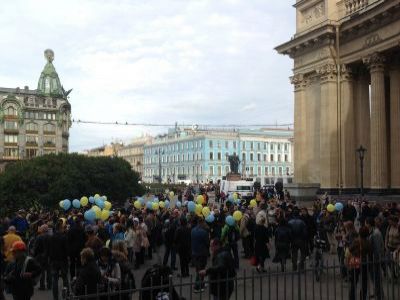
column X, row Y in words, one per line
column 168, row 236
column 76, row 242
column 221, row 273
column 299, row 234
column 200, row 250
column 20, row 274
column 182, row 242
column 41, row 255
column 89, row 276
column 349, row 212
column 58, row 257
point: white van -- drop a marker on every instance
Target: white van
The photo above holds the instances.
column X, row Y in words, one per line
column 242, row 187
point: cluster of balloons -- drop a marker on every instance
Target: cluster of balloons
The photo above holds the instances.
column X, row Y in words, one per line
column 100, row 206
column 156, row 204
column 338, row 207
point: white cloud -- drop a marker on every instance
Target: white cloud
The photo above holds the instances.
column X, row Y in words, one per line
column 191, row 61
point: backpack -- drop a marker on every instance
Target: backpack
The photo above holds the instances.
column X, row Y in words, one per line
column 35, row 280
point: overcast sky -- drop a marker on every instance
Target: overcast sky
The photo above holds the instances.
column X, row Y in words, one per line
column 154, row 61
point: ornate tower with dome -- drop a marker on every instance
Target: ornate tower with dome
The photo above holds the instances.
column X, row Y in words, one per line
column 35, row 122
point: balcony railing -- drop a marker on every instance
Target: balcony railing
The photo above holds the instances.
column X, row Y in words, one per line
column 355, row 5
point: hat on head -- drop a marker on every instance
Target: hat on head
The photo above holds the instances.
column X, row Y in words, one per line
column 12, row 229
column 18, row 246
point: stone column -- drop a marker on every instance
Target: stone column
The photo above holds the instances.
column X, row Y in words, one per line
column 299, row 127
column 379, row 159
column 395, row 127
column 329, row 148
column 348, row 147
column 362, row 121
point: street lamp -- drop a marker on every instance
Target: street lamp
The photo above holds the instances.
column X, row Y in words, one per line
column 361, row 151
column 159, row 152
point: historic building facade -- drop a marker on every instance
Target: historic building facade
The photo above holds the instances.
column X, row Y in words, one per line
column 200, row 155
column 134, row 152
column 35, row 122
column 346, row 94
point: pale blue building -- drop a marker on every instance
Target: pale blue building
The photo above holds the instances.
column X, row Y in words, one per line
column 200, row 155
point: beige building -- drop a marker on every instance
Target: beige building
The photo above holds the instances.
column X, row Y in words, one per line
column 346, row 94
column 35, row 122
column 106, row 150
column 134, row 152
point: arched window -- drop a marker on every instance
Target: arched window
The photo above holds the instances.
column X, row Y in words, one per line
column 49, row 127
column 11, row 111
column 31, row 127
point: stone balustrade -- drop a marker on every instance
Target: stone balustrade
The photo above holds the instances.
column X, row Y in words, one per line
column 355, row 5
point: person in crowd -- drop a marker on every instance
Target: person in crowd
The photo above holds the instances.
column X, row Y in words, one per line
column 328, row 223
column 357, row 258
column 283, row 239
column 200, row 244
column 110, row 271
column 93, row 241
column 58, row 258
column 378, row 251
column 169, row 229
column 41, row 255
column 21, row 273
column 102, row 232
column 76, row 242
column 245, row 234
column 183, row 244
column 20, row 223
column 299, row 238
column 119, row 254
column 393, row 234
column 230, row 236
column 9, row 239
column 349, row 212
column 221, row 273
column 89, row 276
column 261, row 236
column 311, row 229
column 130, row 239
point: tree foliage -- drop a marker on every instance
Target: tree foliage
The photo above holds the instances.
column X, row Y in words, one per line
column 48, row 179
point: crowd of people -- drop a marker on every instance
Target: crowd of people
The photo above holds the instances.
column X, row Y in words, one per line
column 45, row 246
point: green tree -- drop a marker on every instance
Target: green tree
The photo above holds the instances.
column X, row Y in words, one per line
column 48, row 179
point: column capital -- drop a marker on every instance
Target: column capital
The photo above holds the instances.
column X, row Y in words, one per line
column 327, row 72
column 375, row 62
column 299, row 81
column 346, row 72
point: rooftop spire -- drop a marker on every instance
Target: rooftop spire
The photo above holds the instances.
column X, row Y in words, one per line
column 49, row 84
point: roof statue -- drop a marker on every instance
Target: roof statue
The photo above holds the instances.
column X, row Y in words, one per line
column 49, row 84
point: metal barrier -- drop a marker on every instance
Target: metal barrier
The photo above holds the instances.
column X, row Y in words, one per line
column 274, row 284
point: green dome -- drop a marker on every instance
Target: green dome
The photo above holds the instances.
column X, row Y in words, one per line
column 49, row 84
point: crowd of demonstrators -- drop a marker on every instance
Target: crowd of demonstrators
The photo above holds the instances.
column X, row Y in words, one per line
column 101, row 255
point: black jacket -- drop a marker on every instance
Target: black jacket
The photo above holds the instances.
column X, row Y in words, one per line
column 76, row 240
column 221, row 274
column 21, row 287
column 88, row 279
column 349, row 213
column 41, row 249
column 58, row 248
column 182, row 239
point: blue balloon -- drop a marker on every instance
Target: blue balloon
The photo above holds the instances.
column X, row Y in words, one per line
column 230, row 220
column 231, row 199
column 90, row 215
column 91, row 199
column 156, row 200
column 99, row 202
column 185, row 203
column 210, row 218
column 66, row 204
column 141, row 200
column 191, row 206
column 178, row 204
column 149, row 205
column 339, row 206
column 166, row 203
column 76, row 203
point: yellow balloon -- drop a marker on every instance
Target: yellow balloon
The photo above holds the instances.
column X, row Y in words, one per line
column 237, row 215
column 206, row 211
column 199, row 208
column 61, row 204
column 104, row 197
column 84, row 201
column 104, row 214
column 137, row 204
column 161, row 204
column 235, row 196
column 96, row 208
column 200, row 199
column 98, row 214
column 253, row 203
column 97, row 196
column 330, row 208
column 107, row 205
column 155, row 206
column 171, row 194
